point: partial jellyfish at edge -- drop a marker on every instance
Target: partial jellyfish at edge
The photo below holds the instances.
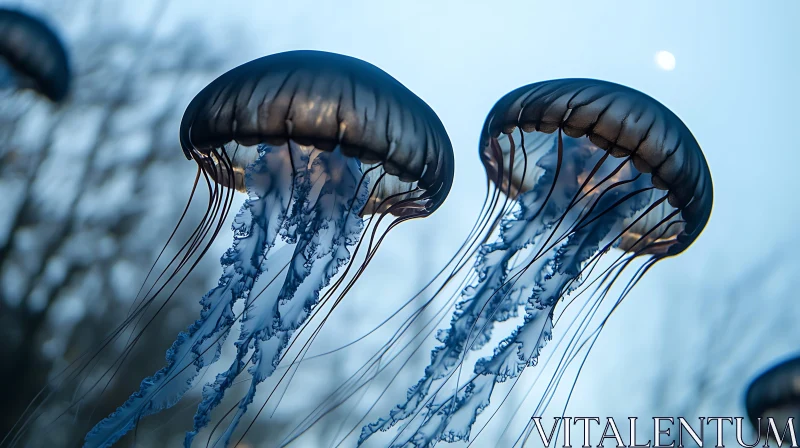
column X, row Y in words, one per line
column 596, row 171
column 32, row 56
column 775, row 393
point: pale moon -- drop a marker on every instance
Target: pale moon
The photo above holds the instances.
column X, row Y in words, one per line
column 665, row 60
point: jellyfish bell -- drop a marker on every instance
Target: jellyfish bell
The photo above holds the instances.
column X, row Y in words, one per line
column 605, row 118
column 775, row 393
column 33, row 56
column 591, row 166
column 326, row 102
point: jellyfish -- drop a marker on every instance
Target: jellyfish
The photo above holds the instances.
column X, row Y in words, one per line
column 775, row 393
column 33, row 57
column 600, row 175
column 324, row 146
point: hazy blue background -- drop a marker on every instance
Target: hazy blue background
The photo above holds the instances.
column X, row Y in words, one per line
column 734, row 86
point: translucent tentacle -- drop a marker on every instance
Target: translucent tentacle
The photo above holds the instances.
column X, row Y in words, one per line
column 260, row 314
column 321, row 233
column 452, row 419
column 492, row 298
column 254, row 227
column 214, row 392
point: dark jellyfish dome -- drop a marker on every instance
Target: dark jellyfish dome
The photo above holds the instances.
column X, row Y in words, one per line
column 326, row 100
column 34, row 53
column 617, row 119
column 775, row 393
